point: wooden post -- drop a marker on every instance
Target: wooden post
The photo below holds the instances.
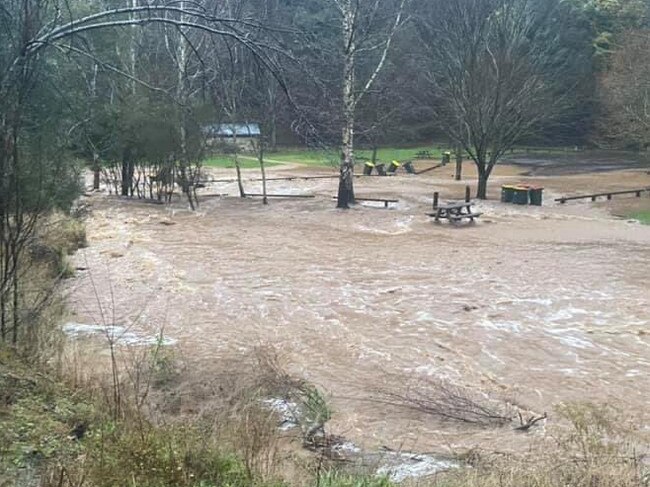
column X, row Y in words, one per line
column 609, row 196
column 459, row 165
column 467, row 194
column 435, row 200
column 96, row 172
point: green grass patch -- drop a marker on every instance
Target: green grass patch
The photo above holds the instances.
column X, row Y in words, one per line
column 325, row 158
column 228, row 162
column 68, row 438
column 641, row 216
column 331, row 158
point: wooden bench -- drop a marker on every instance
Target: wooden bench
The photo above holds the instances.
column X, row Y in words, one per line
column 385, row 201
column 260, row 195
column 471, row 216
column 423, row 154
column 455, row 212
column 636, row 192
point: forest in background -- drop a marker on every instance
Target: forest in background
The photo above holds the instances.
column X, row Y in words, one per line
column 125, row 88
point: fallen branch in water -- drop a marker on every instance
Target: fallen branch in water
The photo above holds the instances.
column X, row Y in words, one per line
column 450, row 402
column 526, row 425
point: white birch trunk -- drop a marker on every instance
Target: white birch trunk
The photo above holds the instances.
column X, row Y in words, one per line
column 346, row 188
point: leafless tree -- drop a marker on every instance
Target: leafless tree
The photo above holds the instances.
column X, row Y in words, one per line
column 495, row 68
column 365, row 33
column 625, row 91
column 31, row 31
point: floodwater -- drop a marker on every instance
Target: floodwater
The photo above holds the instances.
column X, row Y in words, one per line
column 538, row 305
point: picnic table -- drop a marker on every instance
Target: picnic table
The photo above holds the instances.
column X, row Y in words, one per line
column 454, row 211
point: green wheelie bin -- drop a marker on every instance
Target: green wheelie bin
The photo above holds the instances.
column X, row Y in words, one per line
column 520, row 195
column 507, row 193
column 535, row 193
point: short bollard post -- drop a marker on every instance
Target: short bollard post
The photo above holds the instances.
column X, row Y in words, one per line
column 435, row 200
column 467, row 191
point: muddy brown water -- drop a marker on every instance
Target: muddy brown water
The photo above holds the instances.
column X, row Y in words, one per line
column 541, row 305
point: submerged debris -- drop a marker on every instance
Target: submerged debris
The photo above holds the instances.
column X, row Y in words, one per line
column 286, row 410
column 400, row 466
column 119, row 335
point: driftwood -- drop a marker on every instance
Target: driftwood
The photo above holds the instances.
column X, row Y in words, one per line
column 449, row 402
column 529, row 422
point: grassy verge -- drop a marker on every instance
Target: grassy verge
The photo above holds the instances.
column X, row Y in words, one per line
column 641, row 216
column 311, row 157
column 66, row 437
column 226, row 161
column 330, row 158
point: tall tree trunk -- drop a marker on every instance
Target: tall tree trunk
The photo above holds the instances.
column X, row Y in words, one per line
column 181, row 95
column 96, row 172
column 134, row 28
column 240, row 184
column 459, row 164
column 272, row 118
column 128, row 170
column 4, row 268
column 263, row 169
column 483, row 175
column 346, row 179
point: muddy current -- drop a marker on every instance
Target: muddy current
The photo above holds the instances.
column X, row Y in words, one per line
column 539, row 305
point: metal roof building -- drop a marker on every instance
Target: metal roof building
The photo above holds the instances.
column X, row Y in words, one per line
column 229, row 130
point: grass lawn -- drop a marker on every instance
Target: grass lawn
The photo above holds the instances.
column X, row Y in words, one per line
column 321, row 157
column 642, row 216
column 384, row 154
column 330, row 158
column 227, row 161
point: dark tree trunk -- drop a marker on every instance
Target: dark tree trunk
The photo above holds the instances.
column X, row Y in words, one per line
column 459, row 165
column 481, row 191
column 128, row 170
column 96, row 173
column 345, row 195
column 240, row 184
column 265, row 200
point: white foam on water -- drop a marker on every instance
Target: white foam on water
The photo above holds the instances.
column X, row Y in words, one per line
column 540, row 301
column 493, row 356
column 408, row 465
column 509, row 326
column 119, row 335
column 286, row 410
column 402, row 226
column 346, row 447
column 570, row 340
column 566, row 314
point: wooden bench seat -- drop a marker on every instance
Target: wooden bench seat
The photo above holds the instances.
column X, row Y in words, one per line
column 385, row 201
column 471, row 216
column 454, row 212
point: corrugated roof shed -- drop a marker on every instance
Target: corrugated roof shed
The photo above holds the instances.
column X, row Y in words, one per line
column 229, row 129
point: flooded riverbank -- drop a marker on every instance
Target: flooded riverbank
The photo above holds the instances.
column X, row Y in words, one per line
column 537, row 305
